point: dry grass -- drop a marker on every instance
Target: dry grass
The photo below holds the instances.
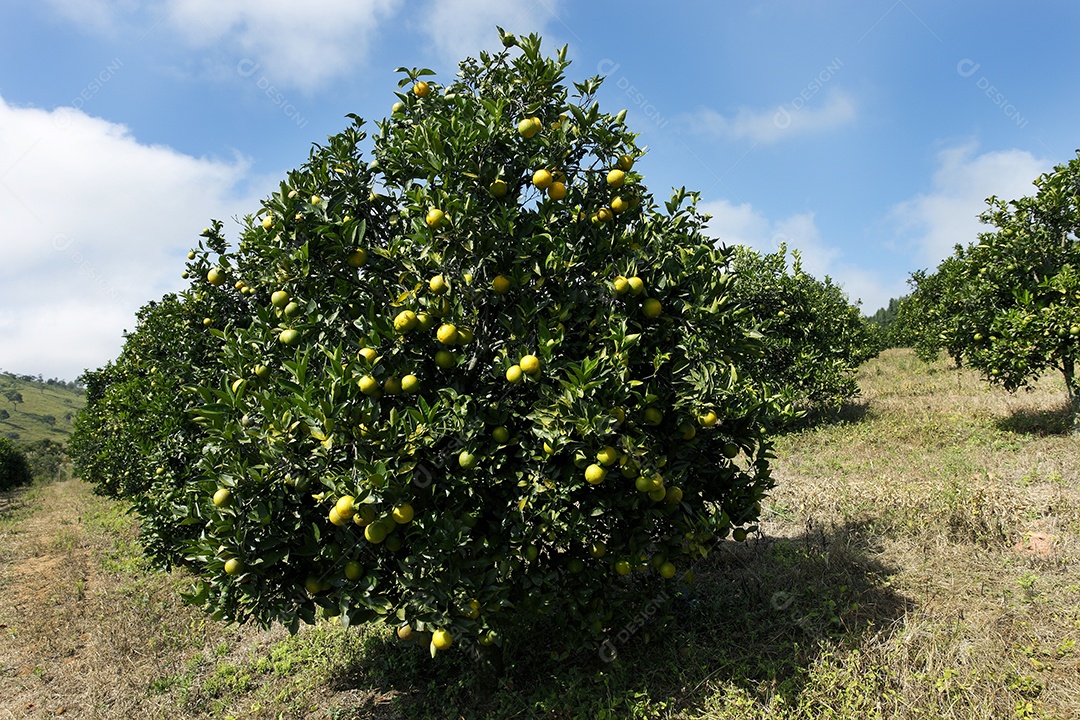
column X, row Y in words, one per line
column 84, row 627
column 88, row 630
column 975, row 505
column 918, row 559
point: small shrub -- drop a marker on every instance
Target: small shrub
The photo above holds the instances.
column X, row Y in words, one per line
column 14, row 468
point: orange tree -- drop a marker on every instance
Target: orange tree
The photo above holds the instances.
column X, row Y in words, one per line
column 814, row 339
column 480, row 377
column 135, row 438
column 925, row 316
column 1009, row 304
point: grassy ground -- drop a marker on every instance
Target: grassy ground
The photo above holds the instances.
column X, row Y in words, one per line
column 29, row 419
column 917, row 560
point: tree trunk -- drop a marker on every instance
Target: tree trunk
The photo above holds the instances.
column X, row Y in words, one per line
column 489, row 670
column 1073, row 389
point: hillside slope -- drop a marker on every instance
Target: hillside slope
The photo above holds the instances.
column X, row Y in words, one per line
column 43, row 412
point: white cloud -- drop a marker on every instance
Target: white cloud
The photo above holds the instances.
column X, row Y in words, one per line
column 782, row 122
column 743, row 225
column 99, row 16
column 462, row 28
column 738, row 225
column 306, row 47
column 930, row 224
column 94, row 225
column 293, row 45
column 297, row 45
column 933, row 223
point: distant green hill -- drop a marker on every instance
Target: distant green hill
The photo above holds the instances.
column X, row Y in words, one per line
column 31, row 410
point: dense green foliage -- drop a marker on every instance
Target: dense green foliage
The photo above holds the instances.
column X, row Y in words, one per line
column 45, row 458
column 14, row 467
column 1009, row 304
column 814, row 339
column 135, row 439
column 893, row 324
column 478, row 377
column 925, row 315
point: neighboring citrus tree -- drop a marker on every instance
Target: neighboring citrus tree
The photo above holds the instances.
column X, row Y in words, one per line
column 927, row 316
column 135, row 438
column 814, row 340
column 1009, row 304
column 14, row 468
column 45, row 458
column 892, row 325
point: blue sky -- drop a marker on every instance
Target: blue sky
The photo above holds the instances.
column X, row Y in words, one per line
column 865, row 133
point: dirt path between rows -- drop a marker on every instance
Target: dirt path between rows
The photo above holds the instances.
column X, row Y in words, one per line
column 43, row 560
column 88, row 630
column 79, row 637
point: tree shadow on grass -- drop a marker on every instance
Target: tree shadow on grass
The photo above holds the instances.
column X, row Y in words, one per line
column 757, row 617
column 11, row 502
column 1042, row 423
column 850, row 413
